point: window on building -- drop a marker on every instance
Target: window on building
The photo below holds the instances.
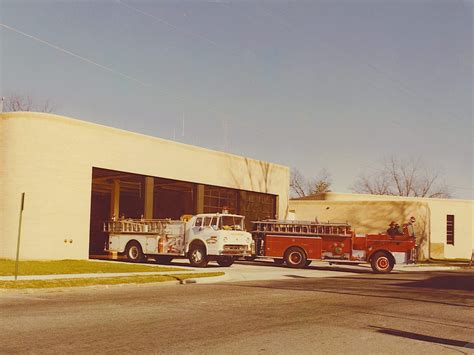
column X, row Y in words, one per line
column 450, row 229
column 257, row 206
column 216, row 198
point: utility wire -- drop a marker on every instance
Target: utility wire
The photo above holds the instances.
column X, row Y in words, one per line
column 87, row 60
column 208, row 108
column 397, row 83
column 159, row 19
column 180, row 29
column 84, row 59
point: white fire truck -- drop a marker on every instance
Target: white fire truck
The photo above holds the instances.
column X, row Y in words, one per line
column 200, row 238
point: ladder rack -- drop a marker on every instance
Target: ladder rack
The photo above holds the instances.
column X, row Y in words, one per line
column 138, row 226
column 301, row 227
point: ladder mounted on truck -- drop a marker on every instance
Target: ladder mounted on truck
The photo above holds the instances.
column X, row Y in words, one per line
column 309, row 228
column 138, row 226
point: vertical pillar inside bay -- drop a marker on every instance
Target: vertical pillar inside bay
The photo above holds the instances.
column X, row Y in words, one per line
column 115, row 199
column 149, row 195
column 199, row 198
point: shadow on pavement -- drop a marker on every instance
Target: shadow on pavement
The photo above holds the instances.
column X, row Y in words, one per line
column 355, row 269
column 422, row 337
column 444, row 282
column 421, row 320
column 344, row 286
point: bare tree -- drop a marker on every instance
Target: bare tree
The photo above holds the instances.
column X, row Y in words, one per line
column 320, row 183
column 301, row 187
column 402, row 178
column 15, row 102
column 298, row 184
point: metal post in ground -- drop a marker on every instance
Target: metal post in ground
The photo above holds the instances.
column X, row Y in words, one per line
column 19, row 234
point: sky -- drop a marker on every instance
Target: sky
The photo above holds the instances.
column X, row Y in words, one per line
column 335, row 85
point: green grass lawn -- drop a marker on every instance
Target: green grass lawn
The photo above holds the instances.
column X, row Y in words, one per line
column 7, row 267
column 23, row 284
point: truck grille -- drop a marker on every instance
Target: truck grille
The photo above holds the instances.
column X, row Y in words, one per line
column 231, row 249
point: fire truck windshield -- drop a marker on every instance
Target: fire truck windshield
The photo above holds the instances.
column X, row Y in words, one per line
column 231, row 223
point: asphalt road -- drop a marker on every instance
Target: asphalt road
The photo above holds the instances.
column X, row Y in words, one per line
column 407, row 312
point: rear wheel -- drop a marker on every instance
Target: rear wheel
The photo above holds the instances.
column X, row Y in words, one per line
column 197, row 256
column 295, row 257
column 382, row 263
column 225, row 261
column 163, row 259
column 134, row 252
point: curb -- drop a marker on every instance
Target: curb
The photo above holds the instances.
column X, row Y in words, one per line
column 198, row 280
column 96, row 275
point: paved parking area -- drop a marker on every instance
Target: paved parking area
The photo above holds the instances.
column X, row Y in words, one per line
column 266, row 269
column 261, row 269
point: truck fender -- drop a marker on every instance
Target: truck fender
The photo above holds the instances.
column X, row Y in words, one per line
column 196, row 242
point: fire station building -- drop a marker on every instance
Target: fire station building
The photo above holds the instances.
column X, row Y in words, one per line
column 76, row 175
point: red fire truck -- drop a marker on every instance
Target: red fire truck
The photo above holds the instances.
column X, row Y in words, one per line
column 297, row 243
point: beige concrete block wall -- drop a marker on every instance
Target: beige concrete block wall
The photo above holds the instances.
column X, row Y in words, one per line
column 51, row 158
column 463, row 229
column 367, row 216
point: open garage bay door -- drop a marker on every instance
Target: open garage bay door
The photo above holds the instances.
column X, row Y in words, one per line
column 121, row 194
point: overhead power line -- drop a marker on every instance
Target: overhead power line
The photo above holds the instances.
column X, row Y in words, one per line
column 159, row 19
column 208, row 108
column 181, row 29
column 87, row 60
column 396, row 82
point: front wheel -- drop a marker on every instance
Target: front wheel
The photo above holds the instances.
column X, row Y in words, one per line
column 382, row 263
column 134, row 252
column 295, row 257
column 225, row 261
column 198, row 256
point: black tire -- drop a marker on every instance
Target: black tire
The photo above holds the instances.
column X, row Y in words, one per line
column 278, row 261
column 134, row 252
column 197, row 256
column 382, row 262
column 307, row 262
column 225, row 261
column 163, row 259
column 295, row 258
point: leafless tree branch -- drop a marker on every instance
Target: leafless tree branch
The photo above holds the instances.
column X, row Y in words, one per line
column 402, row 178
column 16, row 102
column 301, row 187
